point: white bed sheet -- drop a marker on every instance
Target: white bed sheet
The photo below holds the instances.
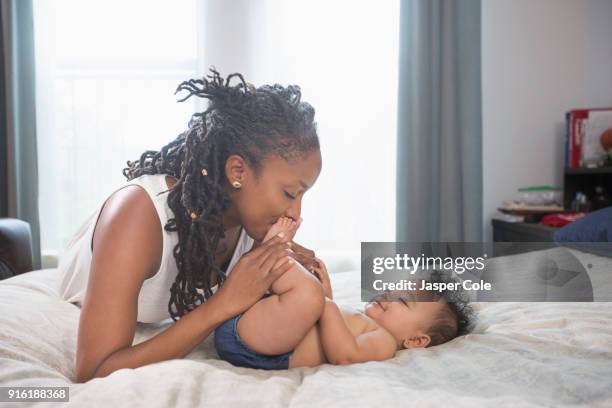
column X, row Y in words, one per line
column 519, row 355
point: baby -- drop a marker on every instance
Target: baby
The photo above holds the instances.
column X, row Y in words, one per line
column 299, row 325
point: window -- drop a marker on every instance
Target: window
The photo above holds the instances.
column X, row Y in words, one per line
column 107, row 71
column 344, row 55
column 106, row 75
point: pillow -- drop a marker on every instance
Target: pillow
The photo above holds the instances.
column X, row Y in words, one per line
column 594, row 227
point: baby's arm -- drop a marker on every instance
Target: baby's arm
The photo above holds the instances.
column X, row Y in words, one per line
column 320, row 271
column 341, row 347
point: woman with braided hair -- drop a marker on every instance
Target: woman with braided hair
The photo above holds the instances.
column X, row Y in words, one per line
column 164, row 244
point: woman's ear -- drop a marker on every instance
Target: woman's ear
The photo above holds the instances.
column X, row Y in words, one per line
column 417, row 341
column 235, row 167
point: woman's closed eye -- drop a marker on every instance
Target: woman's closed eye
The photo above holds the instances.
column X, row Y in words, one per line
column 289, row 196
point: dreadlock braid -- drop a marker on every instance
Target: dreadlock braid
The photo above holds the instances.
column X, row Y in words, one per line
column 253, row 123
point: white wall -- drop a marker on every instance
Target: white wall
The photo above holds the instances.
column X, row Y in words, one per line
column 539, row 59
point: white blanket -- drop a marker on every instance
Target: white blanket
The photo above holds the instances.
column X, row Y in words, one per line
column 520, row 354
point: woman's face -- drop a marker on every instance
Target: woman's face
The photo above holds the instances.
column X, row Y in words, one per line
column 277, row 192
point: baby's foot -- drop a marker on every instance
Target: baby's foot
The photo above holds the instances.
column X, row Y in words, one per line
column 285, row 225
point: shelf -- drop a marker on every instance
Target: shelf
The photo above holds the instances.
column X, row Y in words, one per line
column 504, row 231
column 586, row 181
column 587, row 170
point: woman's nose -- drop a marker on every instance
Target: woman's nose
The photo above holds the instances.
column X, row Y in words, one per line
column 295, row 210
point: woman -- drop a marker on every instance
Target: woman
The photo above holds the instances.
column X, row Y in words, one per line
column 165, row 243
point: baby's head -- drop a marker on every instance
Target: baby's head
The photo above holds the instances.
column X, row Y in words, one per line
column 420, row 318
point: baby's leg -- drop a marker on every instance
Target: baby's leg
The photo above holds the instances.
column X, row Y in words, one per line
column 278, row 323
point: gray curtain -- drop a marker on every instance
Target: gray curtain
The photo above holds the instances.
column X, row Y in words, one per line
column 439, row 159
column 18, row 153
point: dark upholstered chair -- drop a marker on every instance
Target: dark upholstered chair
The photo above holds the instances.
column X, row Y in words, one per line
column 15, row 247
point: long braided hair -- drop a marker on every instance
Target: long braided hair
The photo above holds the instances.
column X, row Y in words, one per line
column 253, row 123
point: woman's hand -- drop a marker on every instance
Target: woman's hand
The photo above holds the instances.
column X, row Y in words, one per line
column 304, row 256
column 320, row 271
column 253, row 275
column 314, row 265
column 301, row 250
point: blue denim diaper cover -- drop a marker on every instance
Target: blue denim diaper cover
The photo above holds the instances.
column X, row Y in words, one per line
column 232, row 349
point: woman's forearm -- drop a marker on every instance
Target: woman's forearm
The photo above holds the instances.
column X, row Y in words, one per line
column 176, row 341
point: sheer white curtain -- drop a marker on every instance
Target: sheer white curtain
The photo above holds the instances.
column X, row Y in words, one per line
column 344, row 55
column 107, row 70
column 106, row 74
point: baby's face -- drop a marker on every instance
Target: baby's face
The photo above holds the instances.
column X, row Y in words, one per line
column 400, row 314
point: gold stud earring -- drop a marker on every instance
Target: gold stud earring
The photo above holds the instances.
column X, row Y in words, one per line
column 204, row 172
column 237, row 184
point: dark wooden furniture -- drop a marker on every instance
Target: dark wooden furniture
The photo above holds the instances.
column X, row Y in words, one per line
column 513, row 238
column 504, row 231
column 585, row 180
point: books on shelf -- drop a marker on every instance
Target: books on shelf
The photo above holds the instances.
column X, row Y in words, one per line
column 582, row 140
column 508, row 217
column 517, row 207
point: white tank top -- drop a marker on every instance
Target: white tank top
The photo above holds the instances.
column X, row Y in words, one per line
column 75, row 262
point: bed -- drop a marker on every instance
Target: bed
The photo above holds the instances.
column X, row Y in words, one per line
column 519, row 354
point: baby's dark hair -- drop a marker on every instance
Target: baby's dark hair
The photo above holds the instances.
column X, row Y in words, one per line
column 254, row 123
column 456, row 316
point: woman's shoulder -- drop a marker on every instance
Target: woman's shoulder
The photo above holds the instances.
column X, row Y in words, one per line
column 154, row 183
column 129, row 222
column 156, row 187
column 138, row 211
column 128, row 205
column 145, row 199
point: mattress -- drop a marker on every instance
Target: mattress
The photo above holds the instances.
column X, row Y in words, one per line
column 519, row 354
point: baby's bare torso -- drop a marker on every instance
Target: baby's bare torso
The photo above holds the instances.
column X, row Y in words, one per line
column 309, row 352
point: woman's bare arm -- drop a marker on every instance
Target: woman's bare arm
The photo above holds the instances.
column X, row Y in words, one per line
column 175, row 342
column 127, row 250
column 127, row 246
